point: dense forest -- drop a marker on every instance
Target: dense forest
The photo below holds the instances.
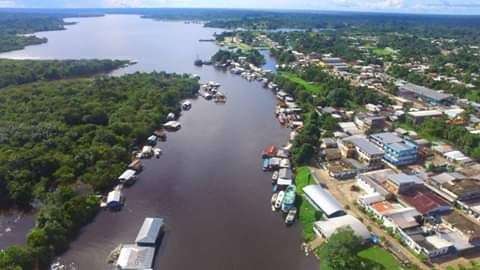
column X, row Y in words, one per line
column 14, row 29
column 14, row 72
column 59, row 135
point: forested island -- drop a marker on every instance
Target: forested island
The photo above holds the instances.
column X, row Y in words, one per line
column 15, row 72
column 63, row 141
column 15, row 30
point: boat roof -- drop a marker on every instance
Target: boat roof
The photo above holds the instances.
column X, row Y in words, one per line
column 150, row 231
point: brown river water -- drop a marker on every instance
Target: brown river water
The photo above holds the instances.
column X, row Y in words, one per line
column 208, row 184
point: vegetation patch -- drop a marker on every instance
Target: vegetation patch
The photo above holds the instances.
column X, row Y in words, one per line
column 380, row 256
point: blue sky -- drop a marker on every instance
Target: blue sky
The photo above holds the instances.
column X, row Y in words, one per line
column 410, row 6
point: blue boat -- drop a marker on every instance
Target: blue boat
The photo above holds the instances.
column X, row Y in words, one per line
column 266, row 164
column 289, row 199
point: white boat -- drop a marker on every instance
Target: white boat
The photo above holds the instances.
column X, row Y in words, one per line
column 157, row 152
column 292, row 214
column 172, row 125
column 146, row 152
column 171, row 116
column 186, row 105
column 273, row 200
column 275, row 175
column 278, row 202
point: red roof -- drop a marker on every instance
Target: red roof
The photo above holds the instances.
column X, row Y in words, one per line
column 424, row 200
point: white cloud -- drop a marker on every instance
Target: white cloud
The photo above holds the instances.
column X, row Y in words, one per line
column 370, row 4
column 7, row 3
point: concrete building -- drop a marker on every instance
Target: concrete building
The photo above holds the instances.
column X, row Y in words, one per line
column 362, row 149
column 398, row 151
column 401, row 183
column 417, row 117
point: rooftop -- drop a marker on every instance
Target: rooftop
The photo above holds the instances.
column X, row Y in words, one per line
column 424, row 200
column 386, row 137
column 150, row 231
column 365, row 145
column 462, row 223
column 133, row 257
column 330, row 226
column 323, row 200
column 426, row 113
column 402, row 178
column 426, row 92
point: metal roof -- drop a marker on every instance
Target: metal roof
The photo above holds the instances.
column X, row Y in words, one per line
column 114, row 196
column 330, row 226
column 323, row 200
column 365, row 145
column 133, row 257
column 426, row 113
column 126, row 175
column 149, row 231
column 386, row 137
column 402, row 178
column 425, row 92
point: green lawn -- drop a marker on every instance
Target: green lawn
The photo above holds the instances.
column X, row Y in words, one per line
column 307, row 215
column 310, row 87
column 384, row 51
column 380, row 256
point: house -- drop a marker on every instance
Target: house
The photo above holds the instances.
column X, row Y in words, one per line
column 150, row 231
column 469, row 229
column 457, row 157
column 401, row 183
column 417, row 117
column 425, row 201
column 323, row 201
column 463, row 189
column 128, row 177
column 349, row 128
column 133, row 257
column 326, row 228
column 364, row 149
column 369, row 123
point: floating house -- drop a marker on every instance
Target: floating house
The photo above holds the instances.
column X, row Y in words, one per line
column 133, row 257
column 114, row 199
column 150, row 232
column 128, row 177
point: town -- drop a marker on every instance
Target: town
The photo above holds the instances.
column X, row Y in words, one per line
column 376, row 170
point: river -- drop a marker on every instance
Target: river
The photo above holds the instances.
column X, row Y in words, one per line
column 208, row 184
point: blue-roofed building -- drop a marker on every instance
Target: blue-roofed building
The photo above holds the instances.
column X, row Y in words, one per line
column 398, row 151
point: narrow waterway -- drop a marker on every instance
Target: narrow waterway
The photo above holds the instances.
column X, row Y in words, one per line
column 208, row 184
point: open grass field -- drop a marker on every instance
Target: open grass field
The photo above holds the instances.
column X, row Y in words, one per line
column 307, row 215
column 380, row 256
column 310, row 87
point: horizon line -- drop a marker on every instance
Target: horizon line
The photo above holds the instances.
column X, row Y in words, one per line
column 274, row 10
